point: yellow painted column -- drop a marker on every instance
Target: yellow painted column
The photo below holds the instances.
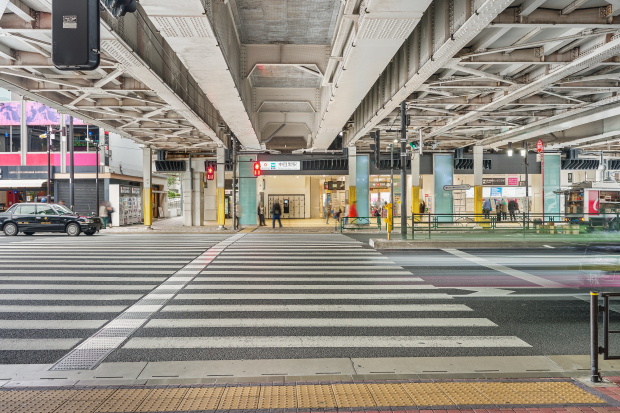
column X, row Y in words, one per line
column 415, row 202
column 148, row 206
column 478, row 168
column 221, row 211
column 478, row 202
column 352, row 198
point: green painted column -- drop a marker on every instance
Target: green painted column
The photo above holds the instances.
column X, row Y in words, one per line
column 247, row 191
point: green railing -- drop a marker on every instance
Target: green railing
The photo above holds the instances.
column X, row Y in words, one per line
column 360, row 223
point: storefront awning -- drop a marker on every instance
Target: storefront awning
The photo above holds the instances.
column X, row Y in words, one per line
column 22, row 183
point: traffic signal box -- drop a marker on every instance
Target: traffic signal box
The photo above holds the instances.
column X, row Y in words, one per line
column 257, row 168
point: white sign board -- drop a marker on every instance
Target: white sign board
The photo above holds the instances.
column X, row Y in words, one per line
column 280, row 166
column 456, row 187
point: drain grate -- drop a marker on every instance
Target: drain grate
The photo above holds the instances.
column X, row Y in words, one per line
column 91, row 352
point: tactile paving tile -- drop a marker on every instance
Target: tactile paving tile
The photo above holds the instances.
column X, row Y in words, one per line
column 202, row 398
column 277, row 397
column 390, row 395
column 570, row 392
column 40, row 405
column 79, row 406
column 163, row 400
column 124, row 400
column 353, row 395
column 18, row 395
column 93, row 394
column 499, row 393
column 427, row 394
column 463, row 393
column 315, row 395
column 240, row 398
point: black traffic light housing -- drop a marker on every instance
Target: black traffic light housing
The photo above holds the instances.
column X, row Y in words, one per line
column 257, row 170
column 121, row 7
column 211, row 167
column 75, row 34
column 377, row 146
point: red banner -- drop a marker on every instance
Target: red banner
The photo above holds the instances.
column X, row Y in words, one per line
column 593, row 202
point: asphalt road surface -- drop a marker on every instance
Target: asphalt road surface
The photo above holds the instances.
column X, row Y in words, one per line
column 167, row 297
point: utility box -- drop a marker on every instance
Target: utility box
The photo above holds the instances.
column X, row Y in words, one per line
column 75, row 34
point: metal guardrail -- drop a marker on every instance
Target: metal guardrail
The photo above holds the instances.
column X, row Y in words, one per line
column 360, row 223
column 595, row 349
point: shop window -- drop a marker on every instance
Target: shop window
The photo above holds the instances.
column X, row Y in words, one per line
column 5, row 139
column 38, row 144
column 16, row 139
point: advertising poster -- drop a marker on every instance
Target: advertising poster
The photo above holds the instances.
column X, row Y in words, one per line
column 593, row 202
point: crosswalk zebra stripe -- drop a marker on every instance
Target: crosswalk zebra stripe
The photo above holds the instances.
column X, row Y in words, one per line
column 309, row 287
column 51, row 324
column 86, row 270
column 324, row 341
column 260, row 265
column 401, row 308
column 395, row 296
column 61, row 308
column 89, row 265
column 318, row 322
column 300, row 260
column 78, row 278
column 75, row 287
column 326, row 271
column 315, row 279
column 70, row 297
column 126, row 263
column 38, row 343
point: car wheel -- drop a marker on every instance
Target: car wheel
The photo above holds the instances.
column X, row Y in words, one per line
column 29, row 233
column 89, row 233
column 73, row 229
column 10, row 229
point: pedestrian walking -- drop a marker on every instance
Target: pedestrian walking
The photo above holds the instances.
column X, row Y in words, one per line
column 276, row 212
column 103, row 213
column 261, row 215
column 353, row 211
column 337, row 218
column 239, row 210
column 504, row 210
column 346, row 214
column 498, row 210
column 486, row 208
column 512, row 207
column 110, row 210
column 328, row 208
column 422, row 207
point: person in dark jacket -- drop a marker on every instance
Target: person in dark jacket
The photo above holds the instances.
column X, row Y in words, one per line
column 512, row 207
column 276, row 212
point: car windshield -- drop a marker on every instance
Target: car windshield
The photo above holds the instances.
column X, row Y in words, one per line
column 63, row 210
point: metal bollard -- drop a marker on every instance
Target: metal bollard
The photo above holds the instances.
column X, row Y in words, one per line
column 594, row 373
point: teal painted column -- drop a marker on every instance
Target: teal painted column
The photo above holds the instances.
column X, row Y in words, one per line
column 361, row 187
column 443, row 169
column 552, row 183
column 247, row 191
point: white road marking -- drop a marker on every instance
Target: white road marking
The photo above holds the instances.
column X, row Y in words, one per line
column 61, row 309
column 88, row 270
column 74, row 287
column 51, row 324
column 396, row 296
column 259, row 266
column 324, row 342
column 506, row 270
column 326, row 271
column 70, row 297
column 322, row 279
column 318, row 308
column 309, row 287
column 7, row 344
column 77, row 278
column 89, row 265
column 319, row 322
column 548, row 246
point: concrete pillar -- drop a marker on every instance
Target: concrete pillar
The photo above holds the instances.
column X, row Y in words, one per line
column 221, row 180
column 198, row 199
column 63, row 145
column 147, row 189
column 478, row 168
column 186, row 184
column 362, row 187
column 415, row 184
column 23, row 132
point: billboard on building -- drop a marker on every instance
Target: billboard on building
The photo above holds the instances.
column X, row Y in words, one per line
column 37, row 114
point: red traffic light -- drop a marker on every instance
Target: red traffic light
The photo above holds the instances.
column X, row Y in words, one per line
column 210, row 172
column 257, row 169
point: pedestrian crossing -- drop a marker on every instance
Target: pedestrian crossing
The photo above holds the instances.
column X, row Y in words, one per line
column 307, row 296
column 57, row 291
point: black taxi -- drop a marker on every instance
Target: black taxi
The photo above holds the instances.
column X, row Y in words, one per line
column 38, row 217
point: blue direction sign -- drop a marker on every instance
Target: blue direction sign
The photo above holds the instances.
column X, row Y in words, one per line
column 456, row 187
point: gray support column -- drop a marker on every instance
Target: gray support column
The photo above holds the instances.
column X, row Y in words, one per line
column 23, row 130
column 198, row 199
column 63, row 144
column 403, row 172
column 186, row 183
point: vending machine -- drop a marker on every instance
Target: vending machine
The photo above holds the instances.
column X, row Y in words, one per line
column 127, row 203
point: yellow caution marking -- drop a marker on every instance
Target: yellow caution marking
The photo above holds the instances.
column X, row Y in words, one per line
column 318, row 396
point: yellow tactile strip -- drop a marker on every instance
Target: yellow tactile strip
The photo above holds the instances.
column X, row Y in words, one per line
column 276, row 396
